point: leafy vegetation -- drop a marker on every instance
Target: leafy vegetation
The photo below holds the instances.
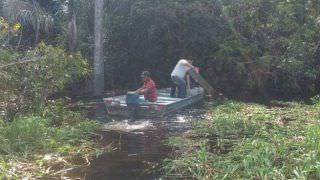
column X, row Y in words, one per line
column 261, row 47
column 242, row 47
column 39, row 135
column 27, row 141
column 251, row 141
column 26, row 86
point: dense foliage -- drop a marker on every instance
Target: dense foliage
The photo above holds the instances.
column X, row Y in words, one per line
column 270, row 48
column 26, row 85
column 260, row 47
column 38, row 133
column 250, row 141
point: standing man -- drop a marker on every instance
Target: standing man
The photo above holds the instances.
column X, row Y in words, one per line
column 178, row 77
column 149, row 89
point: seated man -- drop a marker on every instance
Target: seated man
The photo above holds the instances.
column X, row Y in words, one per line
column 148, row 89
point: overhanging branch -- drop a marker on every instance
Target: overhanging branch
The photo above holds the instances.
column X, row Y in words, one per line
column 20, row 62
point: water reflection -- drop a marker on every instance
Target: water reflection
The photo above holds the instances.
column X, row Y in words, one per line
column 135, row 150
column 138, row 144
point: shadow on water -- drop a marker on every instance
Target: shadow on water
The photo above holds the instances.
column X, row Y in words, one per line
column 138, row 145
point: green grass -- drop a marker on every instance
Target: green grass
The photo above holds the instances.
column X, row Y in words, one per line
column 28, row 139
column 251, row 141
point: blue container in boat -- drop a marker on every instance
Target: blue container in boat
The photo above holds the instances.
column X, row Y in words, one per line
column 132, row 98
column 132, row 101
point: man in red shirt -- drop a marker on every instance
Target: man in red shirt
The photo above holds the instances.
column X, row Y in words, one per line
column 149, row 89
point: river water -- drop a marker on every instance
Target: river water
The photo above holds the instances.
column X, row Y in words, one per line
column 138, row 146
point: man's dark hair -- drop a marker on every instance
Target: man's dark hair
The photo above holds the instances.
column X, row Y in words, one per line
column 189, row 58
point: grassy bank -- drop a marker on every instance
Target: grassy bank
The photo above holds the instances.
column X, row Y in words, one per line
column 46, row 144
column 39, row 135
column 244, row 140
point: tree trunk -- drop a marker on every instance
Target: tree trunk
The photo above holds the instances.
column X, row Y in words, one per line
column 37, row 31
column 98, row 64
column 72, row 34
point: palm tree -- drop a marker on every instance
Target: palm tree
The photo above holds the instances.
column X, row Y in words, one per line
column 28, row 13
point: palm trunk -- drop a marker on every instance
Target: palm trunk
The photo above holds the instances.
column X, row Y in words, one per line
column 37, row 31
column 98, row 64
column 72, row 34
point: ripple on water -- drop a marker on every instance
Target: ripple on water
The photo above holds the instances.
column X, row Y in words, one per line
column 139, row 144
column 128, row 126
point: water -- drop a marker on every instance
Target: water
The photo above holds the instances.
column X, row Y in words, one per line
column 138, row 145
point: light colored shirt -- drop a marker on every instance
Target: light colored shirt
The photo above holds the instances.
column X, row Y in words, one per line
column 180, row 70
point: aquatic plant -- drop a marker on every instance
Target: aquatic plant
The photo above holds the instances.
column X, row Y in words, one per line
column 251, row 141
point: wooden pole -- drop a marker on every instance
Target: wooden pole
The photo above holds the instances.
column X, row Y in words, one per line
column 203, row 83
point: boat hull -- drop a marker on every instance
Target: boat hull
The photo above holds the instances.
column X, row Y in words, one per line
column 116, row 106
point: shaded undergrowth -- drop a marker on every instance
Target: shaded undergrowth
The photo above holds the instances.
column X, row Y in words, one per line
column 250, row 141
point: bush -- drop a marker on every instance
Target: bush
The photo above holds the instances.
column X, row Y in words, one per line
column 26, row 86
column 23, row 135
column 250, row 141
column 58, row 114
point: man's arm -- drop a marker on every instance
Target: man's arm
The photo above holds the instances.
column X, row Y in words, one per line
column 138, row 90
column 197, row 69
column 186, row 63
column 147, row 88
column 188, row 81
column 142, row 90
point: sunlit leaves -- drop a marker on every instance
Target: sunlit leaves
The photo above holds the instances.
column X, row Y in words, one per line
column 16, row 27
column 3, row 25
column 8, row 29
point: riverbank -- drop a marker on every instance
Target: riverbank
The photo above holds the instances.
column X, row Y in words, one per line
column 48, row 145
column 247, row 140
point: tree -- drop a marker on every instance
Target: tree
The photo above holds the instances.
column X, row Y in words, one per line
column 28, row 13
column 98, row 64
